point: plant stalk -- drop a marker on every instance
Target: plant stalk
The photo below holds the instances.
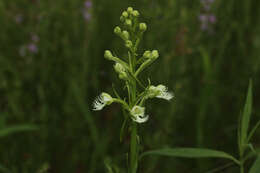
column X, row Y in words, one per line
column 133, row 149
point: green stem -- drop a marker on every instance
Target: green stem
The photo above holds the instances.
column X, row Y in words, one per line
column 241, row 160
column 242, row 167
column 133, row 149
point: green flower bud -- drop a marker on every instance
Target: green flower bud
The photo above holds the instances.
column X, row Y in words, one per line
column 128, row 44
column 108, row 55
column 147, row 54
column 119, row 68
column 122, row 19
column 130, row 10
column 117, row 30
column 135, row 13
column 125, row 35
column 121, row 71
column 128, row 22
column 155, row 54
column 142, row 27
column 125, row 14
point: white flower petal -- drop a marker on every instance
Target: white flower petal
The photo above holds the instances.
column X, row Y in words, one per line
column 140, row 119
column 165, row 95
column 98, row 104
column 137, row 113
column 162, row 92
column 102, row 100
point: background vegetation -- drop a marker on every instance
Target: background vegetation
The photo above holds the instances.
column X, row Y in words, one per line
column 52, row 68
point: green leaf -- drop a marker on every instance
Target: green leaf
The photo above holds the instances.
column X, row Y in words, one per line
column 253, row 131
column 246, row 115
column 256, row 166
column 18, row 128
column 191, row 153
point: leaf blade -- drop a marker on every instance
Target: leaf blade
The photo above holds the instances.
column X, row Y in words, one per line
column 246, row 114
column 256, row 166
column 18, row 128
column 191, row 153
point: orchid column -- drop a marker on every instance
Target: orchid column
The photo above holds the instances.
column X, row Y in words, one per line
column 128, row 70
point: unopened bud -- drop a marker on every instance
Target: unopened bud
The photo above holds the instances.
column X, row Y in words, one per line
column 128, row 44
column 135, row 13
column 108, row 55
column 142, row 27
column 130, row 10
column 120, row 70
column 117, row 30
column 147, row 54
column 125, row 14
column 155, row 54
column 125, row 35
column 122, row 19
column 128, row 22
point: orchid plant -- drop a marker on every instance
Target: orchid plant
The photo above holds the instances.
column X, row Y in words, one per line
column 128, row 71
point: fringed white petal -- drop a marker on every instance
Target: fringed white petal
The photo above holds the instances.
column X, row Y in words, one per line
column 99, row 103
column 138, row 115
column 141, row 119
column 102, row 100
column 165, row 95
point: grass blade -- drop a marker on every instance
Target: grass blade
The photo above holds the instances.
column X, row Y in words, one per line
column 246, row 115
column 18, row 128
column 256, row 166
column 191, row 153
column 253, row 131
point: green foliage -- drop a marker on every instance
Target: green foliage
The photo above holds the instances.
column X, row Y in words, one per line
column 246, row 117
column 15, row 129
column 256, row 166
column 191, row 153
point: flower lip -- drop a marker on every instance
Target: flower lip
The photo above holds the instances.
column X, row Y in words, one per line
column 101, row 101
column 160, row 91
column 138, row 115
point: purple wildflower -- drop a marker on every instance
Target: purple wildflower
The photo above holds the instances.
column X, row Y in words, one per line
column 35, row 38
column 18, row 18
column 203, row 18
column 211, row 1
column 87, row 15
column 32, row 48
column 212, row 18
column 88, row 4
column 204, row 26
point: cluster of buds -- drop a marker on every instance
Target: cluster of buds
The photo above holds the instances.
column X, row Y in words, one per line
column 129, row 19
column 129, row 71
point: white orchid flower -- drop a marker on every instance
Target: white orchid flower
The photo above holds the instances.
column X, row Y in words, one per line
column 102, row 100
column 160, row 91
column 138, row 115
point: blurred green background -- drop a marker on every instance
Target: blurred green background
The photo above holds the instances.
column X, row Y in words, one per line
column 52, row 68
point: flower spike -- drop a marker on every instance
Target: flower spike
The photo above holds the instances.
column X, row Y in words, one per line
column 101, row 101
